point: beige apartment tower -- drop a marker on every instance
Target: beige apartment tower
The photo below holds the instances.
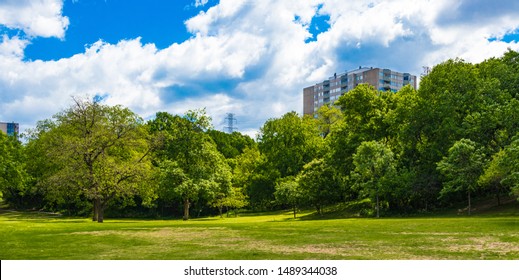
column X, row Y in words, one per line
column 330, row 90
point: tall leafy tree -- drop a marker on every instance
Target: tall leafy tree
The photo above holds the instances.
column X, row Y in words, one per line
column 462, row 167
column 320, row 184
column 98, row 152
column 257, row 178
column 502, row 173
column 235, row 199
column 505, row 70
column 364, row 110
column 13, row 175
column 190, row 164
column 220, row 190
column 230, row 144
column 328, row 116
column 510, row 163
column 374, row 166
column 286, row 145
column 494, row 174
column 290, row 142
column 415, row 184
column 289, row 192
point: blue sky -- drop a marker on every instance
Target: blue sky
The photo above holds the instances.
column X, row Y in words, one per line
column 155, row 21
column 248, row 57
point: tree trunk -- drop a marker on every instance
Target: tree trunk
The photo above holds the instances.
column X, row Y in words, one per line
column 378, row 207
column 469, row 202
column 96, row 214
column 98, row 211
column 498, row 195
column 100, row 214
column 295, row 211
column 319, row 209
column 220, row 209
column 186, row 210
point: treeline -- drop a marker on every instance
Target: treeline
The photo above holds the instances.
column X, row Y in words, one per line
column 454, row 139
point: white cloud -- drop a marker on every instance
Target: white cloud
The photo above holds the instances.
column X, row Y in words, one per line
column 212, row 56
column 200, row 3
column 119, row 70
column 37, row 18
column 246, row 57
column 12, row 47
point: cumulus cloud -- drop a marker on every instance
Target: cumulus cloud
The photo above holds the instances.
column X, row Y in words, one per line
column 12, row 47
column 199, row 3
column 248, row 57
column 41, row 18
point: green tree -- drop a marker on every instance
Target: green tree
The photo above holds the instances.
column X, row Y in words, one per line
column 256, row 177
column 230, row 144
column 364, row 110
column 374, row 166
column 494, row 174
column 286, row 145
column 219, row 191
column 504, row 69
column 511, row 165
column 461, row 167
column 13, row 174
column 320, row 184
column 97, row 152
column 289, row 192
column 191, row 166
column 502, row 172
column 453, row 100
column 328, row 116
column 289, row 143
column 234, row 200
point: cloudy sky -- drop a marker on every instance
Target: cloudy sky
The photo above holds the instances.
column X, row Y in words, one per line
column 248, row 57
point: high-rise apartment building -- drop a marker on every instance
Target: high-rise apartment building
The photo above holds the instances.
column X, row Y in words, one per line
column 330, row 90
column 10, row 128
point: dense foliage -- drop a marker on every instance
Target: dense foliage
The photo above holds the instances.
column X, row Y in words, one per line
column 454, row 139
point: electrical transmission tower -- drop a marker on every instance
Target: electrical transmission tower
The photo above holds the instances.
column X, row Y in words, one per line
column 231, row 121
column 426, row 71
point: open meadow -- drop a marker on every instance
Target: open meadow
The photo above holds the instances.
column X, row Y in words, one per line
column 259, row 236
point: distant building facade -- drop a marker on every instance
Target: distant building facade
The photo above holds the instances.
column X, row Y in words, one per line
column 330, row 90
column 10, row 128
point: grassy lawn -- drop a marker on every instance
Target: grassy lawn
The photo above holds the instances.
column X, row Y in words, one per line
column 268, row 236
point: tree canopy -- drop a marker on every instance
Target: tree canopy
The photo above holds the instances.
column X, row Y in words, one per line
column 452, row 140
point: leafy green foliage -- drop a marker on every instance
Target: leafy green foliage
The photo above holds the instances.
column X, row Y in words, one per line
column 96, row 152
column 328, row 116
column 374, row 166
column 289, row 191
column 13, row 174
column 289, row 143
column 364, row 111
column 320, row 184
column 407, row 150
column 191, row 166
column 462, row 167
column 230, row 145
column 503, row 171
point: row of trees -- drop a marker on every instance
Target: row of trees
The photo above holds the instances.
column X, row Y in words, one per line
column 454, row 138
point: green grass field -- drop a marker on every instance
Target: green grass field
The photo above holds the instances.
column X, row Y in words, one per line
column 267, row 236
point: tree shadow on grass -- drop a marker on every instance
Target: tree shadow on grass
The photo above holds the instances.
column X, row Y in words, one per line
column 46, row 217
column 38, row 218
